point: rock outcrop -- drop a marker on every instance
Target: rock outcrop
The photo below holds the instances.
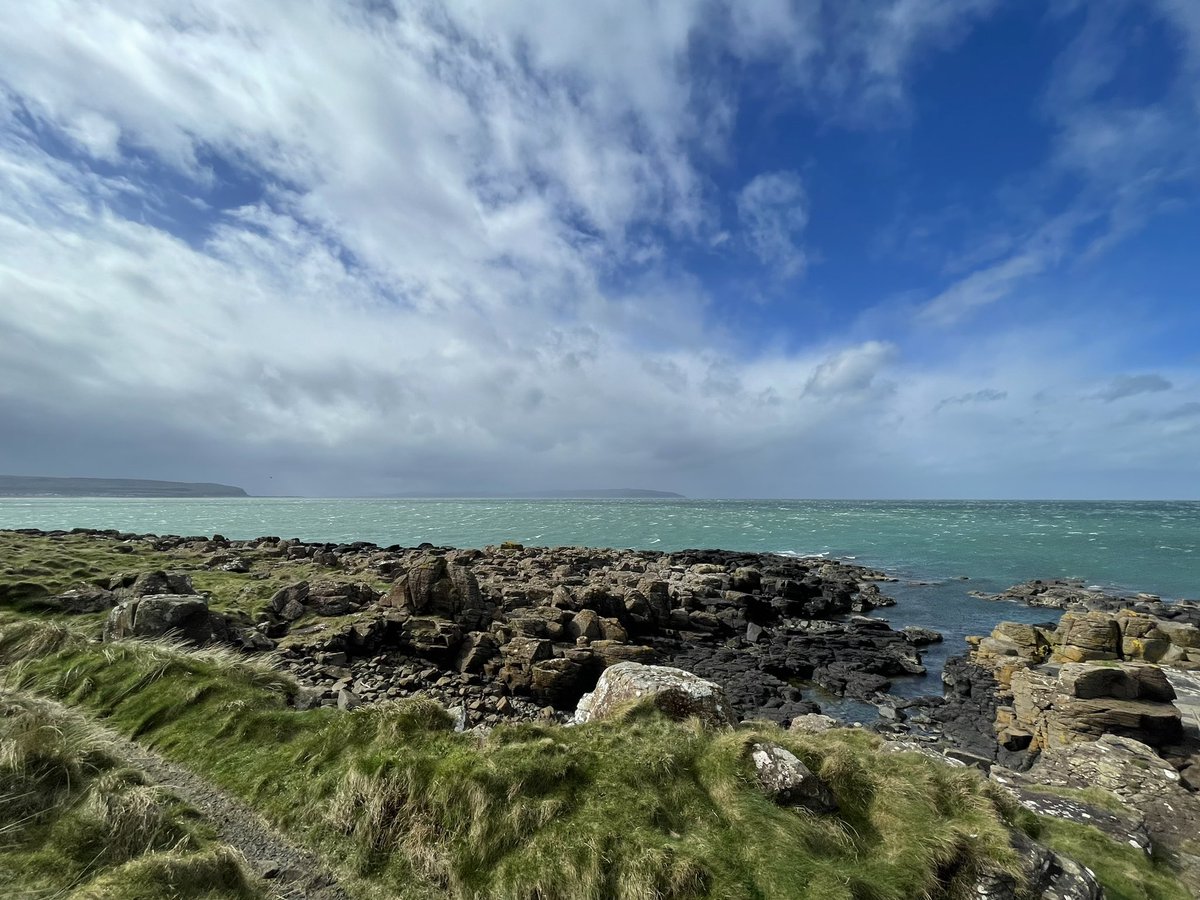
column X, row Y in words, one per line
column 322, row 598
column 537, row 627
column 1084, row 701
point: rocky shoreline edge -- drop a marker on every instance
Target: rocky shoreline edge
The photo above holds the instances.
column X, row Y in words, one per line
column 1103, row 698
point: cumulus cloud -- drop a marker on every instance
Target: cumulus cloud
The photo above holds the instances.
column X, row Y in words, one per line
column 852, row 371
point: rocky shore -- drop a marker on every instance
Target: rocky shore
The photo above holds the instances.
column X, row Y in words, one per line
column 510, row 631
column 1105, row 698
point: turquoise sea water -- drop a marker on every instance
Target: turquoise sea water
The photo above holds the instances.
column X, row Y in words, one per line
column 931, row 546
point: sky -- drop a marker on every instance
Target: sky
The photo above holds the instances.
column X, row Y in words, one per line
column 781, row 248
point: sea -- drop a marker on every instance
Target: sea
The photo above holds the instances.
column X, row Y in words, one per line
column 940, row 551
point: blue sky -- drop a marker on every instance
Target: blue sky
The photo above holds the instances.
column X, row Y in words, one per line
column 900, row 248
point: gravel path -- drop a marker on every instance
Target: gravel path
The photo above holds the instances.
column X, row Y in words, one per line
column 291, row 872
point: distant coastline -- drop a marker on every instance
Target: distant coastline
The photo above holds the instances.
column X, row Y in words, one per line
column 46, row 486
column 582, row 494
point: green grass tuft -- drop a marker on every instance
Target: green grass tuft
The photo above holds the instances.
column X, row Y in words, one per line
column 77, row 823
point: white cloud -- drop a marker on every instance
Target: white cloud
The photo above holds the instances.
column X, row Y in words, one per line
column 851, row 371
column 773, row 211
column 421, row 295
column 1113, row 164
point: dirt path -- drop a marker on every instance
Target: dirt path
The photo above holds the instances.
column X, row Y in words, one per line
column 290, row 872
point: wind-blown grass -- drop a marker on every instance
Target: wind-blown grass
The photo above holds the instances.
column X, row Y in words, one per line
column 641, row 807
column 76, row 823
column 634, row 808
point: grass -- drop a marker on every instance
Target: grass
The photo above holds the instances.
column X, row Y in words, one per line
column 1125, row 872
column 76, row 823
column 642, row 807
column 36, row 567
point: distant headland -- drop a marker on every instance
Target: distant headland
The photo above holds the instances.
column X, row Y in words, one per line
column 45, row 486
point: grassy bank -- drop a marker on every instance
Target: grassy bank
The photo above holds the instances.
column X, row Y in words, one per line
column 34, row 568
column 75, row 822
column 643, row 807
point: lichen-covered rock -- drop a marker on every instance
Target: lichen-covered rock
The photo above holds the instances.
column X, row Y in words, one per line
column 679, row 694
column 787, row 781
column 1086, row 637
column 1048, row 876
column 813, row 723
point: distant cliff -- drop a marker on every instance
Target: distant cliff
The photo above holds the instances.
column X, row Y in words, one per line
column 39, row 486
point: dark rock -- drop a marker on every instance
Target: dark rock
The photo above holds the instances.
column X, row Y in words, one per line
column 83, row 598
column 169, row 615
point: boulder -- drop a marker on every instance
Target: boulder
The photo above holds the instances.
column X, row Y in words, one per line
column 325, row 598
column 1141, row 638
column 585, row 624
column 919, row 636
column 1123, row 682
column 678, row 694
column 559, row 682
column 813, row 723
column 787, row 781
column 476, row 651
column 433, row 587
column 146, row 584
column 1181, row 634
column 519, row 656
column 613, row 652
column 158, row 616
column 337, row 598
column 289, row 602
